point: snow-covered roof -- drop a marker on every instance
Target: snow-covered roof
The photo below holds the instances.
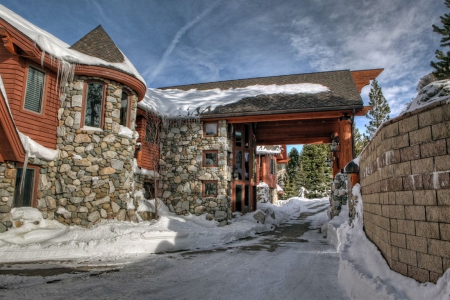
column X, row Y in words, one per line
column 60, row 50
column 433, row 92
column 175, row 103
column 269, row 150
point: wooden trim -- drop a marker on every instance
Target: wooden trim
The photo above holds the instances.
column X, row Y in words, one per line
column 210, row 135
column 204, row 182
column 363, row 77
column 129, row 108
column 216, row 152
column 44, row 92
column 8, row 41
column 17, row 152
column 35, row 184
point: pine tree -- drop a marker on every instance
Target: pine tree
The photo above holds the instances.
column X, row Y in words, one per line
column 442, row 66
column 293, row 174
column 361, row 140
column 380, row 111
column 317, row 175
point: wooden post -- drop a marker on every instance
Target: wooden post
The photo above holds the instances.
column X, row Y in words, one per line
column 345, row 139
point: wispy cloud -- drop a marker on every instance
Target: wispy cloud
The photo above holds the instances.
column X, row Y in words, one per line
column 177, row 38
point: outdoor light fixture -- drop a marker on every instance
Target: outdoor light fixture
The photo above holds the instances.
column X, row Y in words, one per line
column 334, row 146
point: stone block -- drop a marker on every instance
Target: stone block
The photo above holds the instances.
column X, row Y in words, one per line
column 402, row 169
column 416, row 243
column 435, row 148
column 445, row 231
column 408, row 124
column 407, row 256
column 404, row 198
column 413, row 212
column 399, row 267
column 431, row 117
column 420, row 166
column 424, row 197
column 398, row 142
column 396, row 211
column 438, row 214
column 418, row 274
column 94, row 216
column 398, row 240
column 420, row 136
column 412, row 182
column 442, row 163
column 427, row 229
column 439, row 248
column 395, row 184
column 390, row 131
column 443, row 197
column 393, row 225
column 429, row 262
column 441, row 130
column 410, row 153
column 406, row 226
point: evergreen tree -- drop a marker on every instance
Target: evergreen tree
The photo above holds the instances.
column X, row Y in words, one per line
column 424, row 81
column 361, row 140
column 317, row 175
column 380, row 111
column 442, row 66
column 293, row 174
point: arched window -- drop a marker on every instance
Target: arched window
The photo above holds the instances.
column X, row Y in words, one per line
column 93, row 112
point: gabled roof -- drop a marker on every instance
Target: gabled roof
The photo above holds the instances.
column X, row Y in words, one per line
column 343, row 94
column 99, row 44
column 11, row 148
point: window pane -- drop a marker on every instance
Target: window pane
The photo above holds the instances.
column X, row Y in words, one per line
column 210, row 188
column 26, row 197
column 247, row 166
column 35, row 89
column 210, row 128
column 247, row 135
column 247, row 197
column 239, row 164
column 211, row 159
column 238, row 197
column 94, row 99
column 238, row 139
column 124, row 110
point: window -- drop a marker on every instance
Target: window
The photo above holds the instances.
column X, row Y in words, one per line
column 149, row 190
column 210, row 129
column 124, row 109
column 94, row 105
column 210, row 158
column 25, row 197
column 209, row 188
column 35, row 90
column 272, row 166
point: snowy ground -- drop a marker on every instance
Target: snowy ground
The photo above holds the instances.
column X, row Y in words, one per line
column 114, row 260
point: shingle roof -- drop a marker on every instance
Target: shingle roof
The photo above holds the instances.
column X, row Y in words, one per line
column 99, row 44
column 343, row 93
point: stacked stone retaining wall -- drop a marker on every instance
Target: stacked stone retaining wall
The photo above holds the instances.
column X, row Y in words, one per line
column 405, row 185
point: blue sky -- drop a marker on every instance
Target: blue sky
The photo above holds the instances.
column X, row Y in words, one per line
column 175, row 42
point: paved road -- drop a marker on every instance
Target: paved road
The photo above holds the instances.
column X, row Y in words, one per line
column 292, row 262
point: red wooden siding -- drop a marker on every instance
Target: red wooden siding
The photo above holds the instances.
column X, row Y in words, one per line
column 269, row 179
column 41, row 127
column 149, row 154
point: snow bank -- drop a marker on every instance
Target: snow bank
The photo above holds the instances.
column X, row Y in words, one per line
column 178, row 103
column 58, row 49
column 40, row 239
column 364, row 272
column 35, row 149
column 433, row 92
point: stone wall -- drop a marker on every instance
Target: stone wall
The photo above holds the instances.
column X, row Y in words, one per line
column 405, row 185
column 93, row 178
column 182, row 171
column 7, row 181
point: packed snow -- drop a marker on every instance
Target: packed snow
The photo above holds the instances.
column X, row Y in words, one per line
column 58, row 49
column 433, row 92
column 261, row 150
column 34, row 149
column 174, row 103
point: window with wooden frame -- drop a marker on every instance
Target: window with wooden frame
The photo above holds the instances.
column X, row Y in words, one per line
column 93, row 104
column 210, row 158
column 26, row 196
column 151, row 131
column 210, row 129
column 273, row 166
column 34, row 93
column 209, row 188
column 125, row 109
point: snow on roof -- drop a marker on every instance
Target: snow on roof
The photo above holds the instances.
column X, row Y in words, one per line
column 35, row 149
column 268, row 149
column 175, row 103
column 433, row 92
column 58, row 49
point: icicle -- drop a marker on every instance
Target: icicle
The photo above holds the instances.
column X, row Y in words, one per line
column 66, row 72
column 42, row 58
column 24, row 171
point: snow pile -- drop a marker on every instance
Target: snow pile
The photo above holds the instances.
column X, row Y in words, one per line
column 143, row 171
column 40, row 239
column 433, row 92
column 177, row 103
column 58, row 49
column 125, row 132
column 364, row 272
column 34, row 149
column 262, row 192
